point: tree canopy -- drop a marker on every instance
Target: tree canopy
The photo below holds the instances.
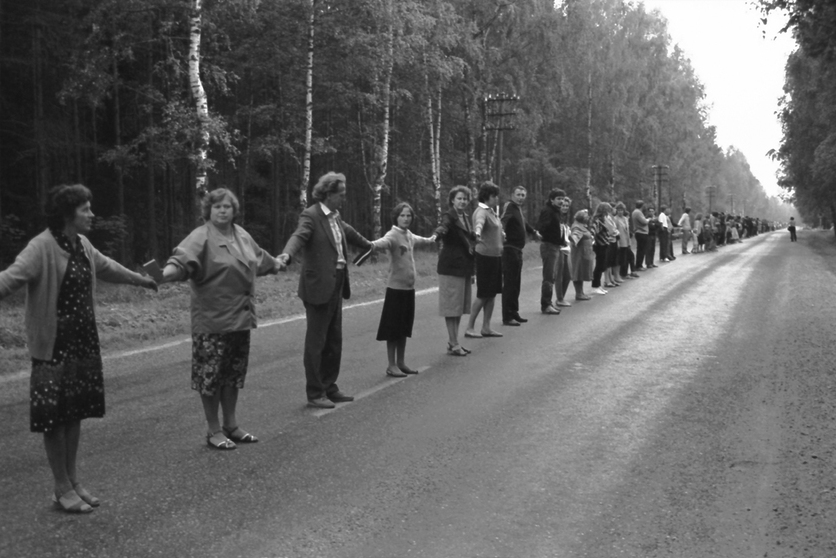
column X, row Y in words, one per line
column 393, row 93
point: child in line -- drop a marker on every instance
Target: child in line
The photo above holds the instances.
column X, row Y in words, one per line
column 398, row 313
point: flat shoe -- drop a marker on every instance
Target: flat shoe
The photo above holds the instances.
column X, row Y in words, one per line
column 71, row 502
column 472, row 335
column 491, row 334
column 407, row 370
column 224, row 445
column 398, row 374
column 242, row 438
column 321, row 403
column 511, row 323
column 582, row 297
column 458, row 350
column 562, row 303
column 339, row 397
column 86, row 496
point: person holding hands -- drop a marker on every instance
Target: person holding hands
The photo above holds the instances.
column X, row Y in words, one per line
column 221, row 261
column 59, row 269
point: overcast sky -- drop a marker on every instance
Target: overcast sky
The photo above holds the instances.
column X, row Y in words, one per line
column 741, row 65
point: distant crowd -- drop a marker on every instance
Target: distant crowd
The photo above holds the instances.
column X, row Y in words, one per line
column 481, row 244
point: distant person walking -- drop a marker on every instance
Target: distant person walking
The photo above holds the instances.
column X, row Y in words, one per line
column 59, row 268
column 221, row 261
column 685, row 223
column 323, row 238
column 791, row 228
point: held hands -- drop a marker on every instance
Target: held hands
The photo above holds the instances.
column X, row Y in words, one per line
column 281, row 262
column 147, row 282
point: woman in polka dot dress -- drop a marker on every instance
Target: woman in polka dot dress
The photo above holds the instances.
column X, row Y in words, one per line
column 60, row 267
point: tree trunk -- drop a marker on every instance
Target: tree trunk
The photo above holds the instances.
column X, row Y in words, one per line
column 120, row 180
column 150, row 185
column 589, row 140
column 433, row 125
column 199, row 96
column 306, row 158
column 244, row 183
column 42, row 169
column 382, row 149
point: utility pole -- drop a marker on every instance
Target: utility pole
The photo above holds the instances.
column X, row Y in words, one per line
column 660, row 176
column 500, row 112
column 710, row 191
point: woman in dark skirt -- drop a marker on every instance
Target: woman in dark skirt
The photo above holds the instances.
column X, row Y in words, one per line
column 399, row 305
column 59, row 268
column 490, row 239
column 221, row 261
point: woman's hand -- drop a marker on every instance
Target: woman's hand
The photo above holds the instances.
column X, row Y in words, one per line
column 147, row 283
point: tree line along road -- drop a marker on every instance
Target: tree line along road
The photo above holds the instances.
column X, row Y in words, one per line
column 688, row 413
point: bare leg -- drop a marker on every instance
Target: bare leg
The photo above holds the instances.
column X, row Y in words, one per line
column 211, row 403
column 401, row 351
column 486, row 317
column 55, row 443
column 391, row 349
column 229, row 404
column 452, row 330
column 474, row 313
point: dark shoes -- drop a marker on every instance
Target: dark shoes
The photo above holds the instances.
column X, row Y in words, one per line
column 511, row 323
column 339, row 397
column 520, row 319
column 320, row 403
column 239, row 436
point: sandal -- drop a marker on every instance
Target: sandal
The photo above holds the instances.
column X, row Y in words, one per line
column 396, row 373
column 242, row 438
column 457, row 350
column 71, row 502
column 86, row 496
column 407, row 370
column 225, row 444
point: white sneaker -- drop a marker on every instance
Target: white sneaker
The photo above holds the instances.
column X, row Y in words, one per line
column 600, row 290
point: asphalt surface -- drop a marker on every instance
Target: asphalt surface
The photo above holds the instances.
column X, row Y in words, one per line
column 689, row 413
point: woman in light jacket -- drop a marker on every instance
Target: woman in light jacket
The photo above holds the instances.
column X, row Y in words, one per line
column 59, row 268
column 221, row 261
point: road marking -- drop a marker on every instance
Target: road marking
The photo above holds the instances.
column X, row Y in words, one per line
column 363, row 394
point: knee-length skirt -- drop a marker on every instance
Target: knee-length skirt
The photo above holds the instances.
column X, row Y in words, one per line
column 397, row 316
column 454, row 295
column 219, row 359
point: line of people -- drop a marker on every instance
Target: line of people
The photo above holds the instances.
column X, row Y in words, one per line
column 221, row 261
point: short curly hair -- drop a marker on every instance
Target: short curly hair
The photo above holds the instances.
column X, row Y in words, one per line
column 454, row 191
column 328, row 183
column 62, row 203
column 486, row 190
column 215, row 196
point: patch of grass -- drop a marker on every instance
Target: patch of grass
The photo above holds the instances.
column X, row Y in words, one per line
column 130, row 317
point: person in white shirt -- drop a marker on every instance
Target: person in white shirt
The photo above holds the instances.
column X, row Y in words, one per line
column 664, row 234
column 685, row 223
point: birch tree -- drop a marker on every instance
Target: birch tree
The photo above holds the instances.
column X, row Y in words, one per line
column 306, row 158
column 199, row 96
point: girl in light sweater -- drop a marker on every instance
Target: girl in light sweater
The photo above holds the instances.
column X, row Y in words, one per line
column 399, row 305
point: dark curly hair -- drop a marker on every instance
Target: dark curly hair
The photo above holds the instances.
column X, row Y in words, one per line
column 62, row 202
column 328, row 183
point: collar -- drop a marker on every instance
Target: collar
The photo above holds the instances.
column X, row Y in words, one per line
column 326, row 210
column 483, row 206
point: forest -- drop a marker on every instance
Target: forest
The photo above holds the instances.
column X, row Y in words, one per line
column 148, row 101
column 808, row 109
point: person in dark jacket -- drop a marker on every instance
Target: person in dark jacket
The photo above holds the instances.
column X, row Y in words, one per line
column 553, row 239
column 516, row 228
column 322, row 239
column 455, row 266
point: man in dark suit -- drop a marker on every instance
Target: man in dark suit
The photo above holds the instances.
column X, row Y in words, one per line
column 323, row 239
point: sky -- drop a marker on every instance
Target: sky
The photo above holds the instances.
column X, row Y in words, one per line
column 741, row 65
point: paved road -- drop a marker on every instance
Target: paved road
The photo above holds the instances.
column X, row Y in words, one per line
column 688, row 413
